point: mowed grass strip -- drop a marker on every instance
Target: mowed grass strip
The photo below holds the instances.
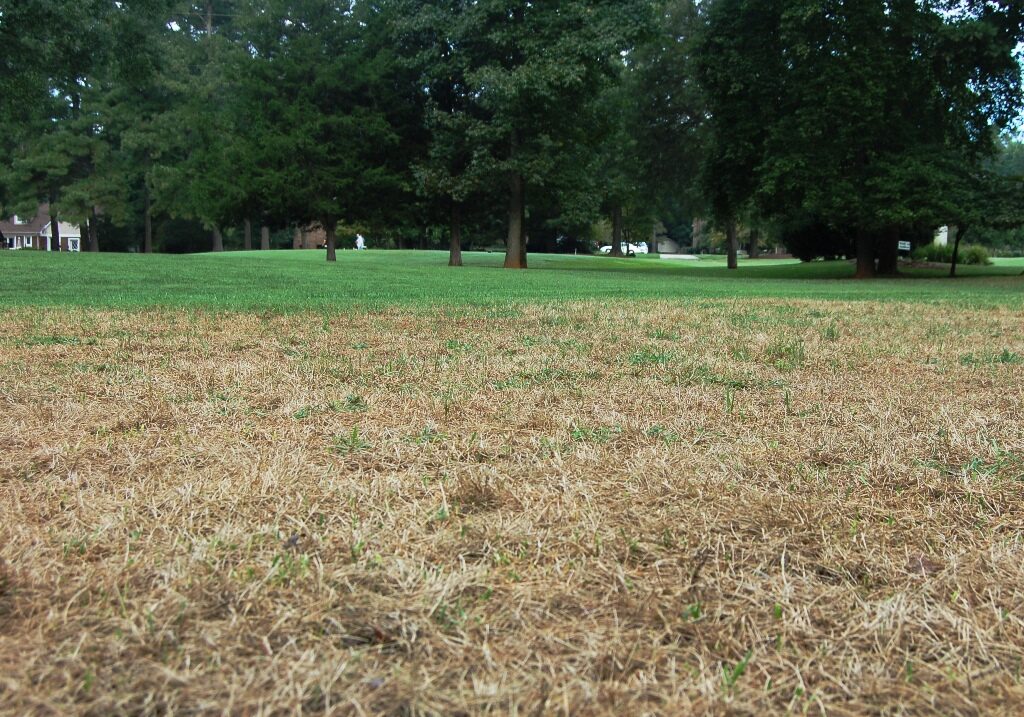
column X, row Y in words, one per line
column 743, row 506
column 300, row 281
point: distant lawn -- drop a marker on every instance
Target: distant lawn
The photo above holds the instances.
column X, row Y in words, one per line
column 296, row 281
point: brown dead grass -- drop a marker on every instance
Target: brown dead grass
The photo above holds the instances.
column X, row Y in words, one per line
column 726, row 507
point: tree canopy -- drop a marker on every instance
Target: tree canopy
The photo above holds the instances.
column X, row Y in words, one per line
column 841, row 126
column 868, row 117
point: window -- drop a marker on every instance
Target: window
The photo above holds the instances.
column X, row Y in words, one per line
column 19, row 220
column 73, row 244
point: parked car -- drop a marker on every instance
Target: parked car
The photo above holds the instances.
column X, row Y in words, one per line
column 628, row 249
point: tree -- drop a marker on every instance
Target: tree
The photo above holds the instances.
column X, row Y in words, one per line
column 618, row 164
column 86, row 68
column 335, row 109
column 669, row 109
column 50, row 138
column 512, row 88
column 740, row 67
column 846, row 114
column 199, row 140
column 431, row 38
column 23, row 79
column 1000, row 221
column 989, row 199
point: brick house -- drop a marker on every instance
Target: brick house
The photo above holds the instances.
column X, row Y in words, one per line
column 35, row 233
column 311, row 237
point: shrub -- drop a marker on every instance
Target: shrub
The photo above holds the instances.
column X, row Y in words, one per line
column 975, row 254
column 969, row 254
column 935, row 253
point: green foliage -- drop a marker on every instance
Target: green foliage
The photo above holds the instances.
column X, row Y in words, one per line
column 69, row 59
column 650, row 357
column 287, row 567
column 786, row 354
column 866, row 117
column 598, row 434
column 1005, row 357
column 1000, row 242
column 326, row 109
column 348, row 443
column 970, row 254
column 351, row 404
column 512, row 93
column 181, row 236
column 399, row 117
column 999, row 218
column 731, row 674
column 939, row 253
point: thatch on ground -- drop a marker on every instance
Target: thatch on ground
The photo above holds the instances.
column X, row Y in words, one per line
column 726, row 507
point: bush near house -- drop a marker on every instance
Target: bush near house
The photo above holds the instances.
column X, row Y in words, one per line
column 975, row 254
column 937, row 253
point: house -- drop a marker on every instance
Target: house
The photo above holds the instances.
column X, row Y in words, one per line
column 35, row 233
column 667, row 246
column 311, row 237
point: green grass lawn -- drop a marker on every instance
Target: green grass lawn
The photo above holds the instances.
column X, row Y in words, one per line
column 296, row 281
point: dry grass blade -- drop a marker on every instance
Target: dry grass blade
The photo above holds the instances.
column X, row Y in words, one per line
column 726, row 507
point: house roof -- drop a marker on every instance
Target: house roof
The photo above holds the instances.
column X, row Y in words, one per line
column 33, row 227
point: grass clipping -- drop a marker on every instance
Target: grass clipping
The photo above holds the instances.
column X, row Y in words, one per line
column 725, row 507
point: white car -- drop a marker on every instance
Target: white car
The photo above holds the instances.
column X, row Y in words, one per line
column 628, row 249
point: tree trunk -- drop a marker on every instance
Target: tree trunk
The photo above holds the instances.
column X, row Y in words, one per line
column 514, row 249
column 865, row 255
column 330, row 229
column 83, row 240
column 218, row 240
column 54, row 225
column 733, row 240
column 960, row 231
column 248, row 235
column 754, row 246
column 616, row 231
column 147, row 241
column 888, row 249
column 455, row 246
column 264, row 238
column 654, row 240
column 524, row 241
column 297, row 238
column 94, row 232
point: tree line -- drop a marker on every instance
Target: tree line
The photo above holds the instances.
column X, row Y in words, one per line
column 840, row 127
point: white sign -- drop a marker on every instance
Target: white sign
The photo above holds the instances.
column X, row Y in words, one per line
column 904, row 246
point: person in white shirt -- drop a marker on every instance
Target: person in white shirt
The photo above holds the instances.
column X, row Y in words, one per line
column 360, row 242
